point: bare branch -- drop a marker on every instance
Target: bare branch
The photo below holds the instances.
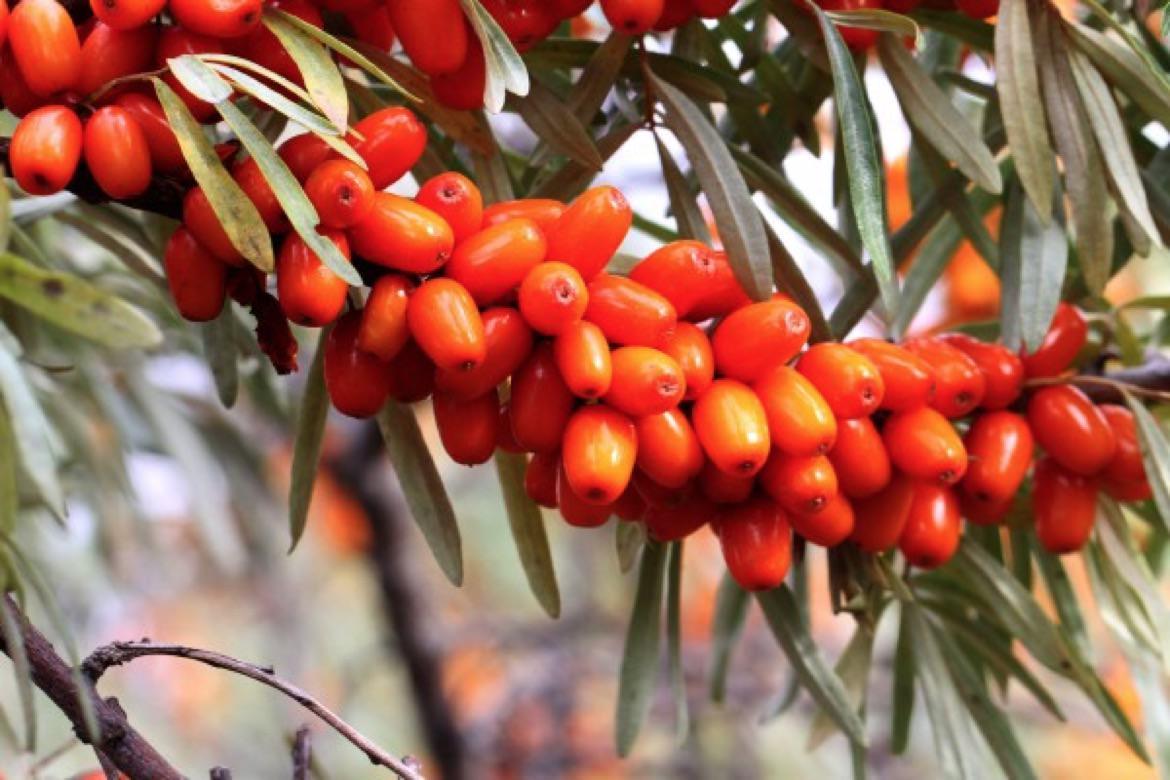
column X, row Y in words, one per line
column 1150, row 380
column 221, row 773
column 302, row 753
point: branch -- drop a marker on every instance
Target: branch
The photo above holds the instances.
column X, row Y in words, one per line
column 1149, row 380
column 120, row 653
column 302, row 754
column 115, row 739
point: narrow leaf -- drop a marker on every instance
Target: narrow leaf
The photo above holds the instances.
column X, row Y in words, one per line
column 731, row 604
column 9, row 476
column 34, row 439
column 21, row 671
column 345, row 50
column 528, row 532
column 307, row 438
column 792, row 281
column 1155, row 456
column 877, row 19
column 678, row 683
column 903, row 684
column 555, row 124
column 639, row 670
column 219, row 349
column 629, row 538
column 1033, row 256
column 682, row 202
column 1125, row 70
column 321, row 76
column 505, row 69
column 853, row 670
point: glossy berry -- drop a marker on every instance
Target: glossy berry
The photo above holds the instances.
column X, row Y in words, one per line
column 959, row 384
column 999, row 450
column 758, row 337
column 446, row 324
column 691, row 349
column 1002, row 369
column 456, row 199
column 108, row 53
column 978, row 9
column 303, row 153
column 1071, row 429
column 670, row 523
column 254, row 183
column 432, row 32
column 668, row 448
column 116, row 153
column 126, row 14
column 849, row 381
column 632, row 17
column 45, row 45
column 45, row 149
column 722, row 296
column 732, row 427
column 492, row 263
column 881, row 516
column 723, row 488
column 598, row 453
column 583, row 359
column 930, row 536
column 1064, row 505
column 262, row 47
column 540, row 478
column 310, row 294
column 681, row 271
column 799, row 418
column 924, row 444
column 1126, row 465
column 341, row 192
column 467, row 427
column 543, row 211
column 357, row 382
column 1066, row 336
column 200, row 218
column 860, row 459
column 384, row 331
column 756, row 542
column 217, row 18
column 399, row 233
column 908, row 379
column 508, row 340
column 552, row 297
column 197, row 281
column 541, row 402
column 392, row 140
column 165, row 154
column 525, row 22
column 827, row 527
column 645, row 381
column 17, row 97
column 462, row 89
column 590, row 230
column 412, row 374
column 802, row 484
column 628, row 313
column 575, row 510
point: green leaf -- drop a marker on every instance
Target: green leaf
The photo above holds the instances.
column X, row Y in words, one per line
column 792, row 281
column 322, row 78
column 903, row 684
column 931, row 113
column 9, row 475
column 425, row 495
column 876, row 19
column 238, row 215
column 1155, row 456
column 639, row 670
column 528, row 532
column 853, row 670
column 21, row 671
column 1125, row 70
column 307, row 438
column 1060, row 590
column 505, row 69
column 861, row 162
column 75, row 305
column 1020, row 104
column 346, row 51
column 976, row 33
column 727, row 194
column 731, row 604
column 555, row 124
column 572, row 178
column 1033, row 256
column 678, row 683
column 826, row 688
column 598, row 76
column 219, row 348
column 34, row 438
column 629, row 538
column 682, row 203
column 200, row 80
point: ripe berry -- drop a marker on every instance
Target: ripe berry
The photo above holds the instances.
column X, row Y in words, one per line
column 373, row 26
column 645, row 381
column 45, row 45
column 1126, row 465
column 860, row 459
column 1065, row 338
column 398, row 233
column 201, row 220
column 882, row 516
column 165, row 154
column 930, row 535
column 525, row 22
column 590, row 230
column 583, row 359
column 462, row 89
column 197, row 281
column 262, row 47
column 109, row 53
column 116, row 153
column 384, row 331
column 799, row 418
column 1071, row 429
column 303, row 153
column 680, row 271
column 1002, row 370
column 217, row 18
column 357, row 382
column 341, row 192
column 999, row 450
column 629, row 505
column 668, row 449
column 959, row 384
column 982, row 512
column 542, row 211
column 827, row 527
column 979, row 9
column 310, row 294
column 392, row 140
column 15, row 94
column 691, row 349
column 732, row 427
column 552, row 297
column 505, row 440
column 175, row 42
column 802, row 484
column 445, row 323
column 492, row 263
column 758, row 337
column 712, row 9
column 723, row 488
column 126, row 14
column 576, row 510
column 456, row 199
column 567, row 9
column 509, row 342
column 923, row 444
column 432, row 32
column 756, row 541
column 255, row 185
column 632, row 17
column 45, row 149
column 541, row 403
column 540, row 478
column 849, row 381
column 671, row 523
column 1064, row 505
column 675, row 13
column 908, row 379
column 628, row 313
column 723, row 294
column 467, row 428
column 598, row 453
column 412, row 374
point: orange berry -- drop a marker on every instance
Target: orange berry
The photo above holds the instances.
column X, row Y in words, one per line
column 456, row 199
column 398, row 233
column 722, row 488
column 45, row 148
column 444, row 321
column 829, row 526
column 1071, row 429
column 540, row 478
column 432, row 32
column 691, row 349
column 412, row 374
column 756, row 542
column 126, row 14
column 680, row 271
column 303, row 154
column 341, row 192
column 802, row 484
column 590, row 230
column 544, row 212
column 908, row 379
column 881, row 516
column 1003, row 371
column 671, row 523
column 758, row 337
column 1064, row 505
column 999, row 452
column 310, row 294
column 165, row 153
column 1126, row 465
column 598, row 453
column 632, row 17
column 668, row 449
column 645, row 381
column 108, row 53
column 924, row 444
column 860, row 459
column 392, row 141
column 255, row 185
column 628, row 313
column 492, row 263
column 508, row 341
column 197, row 281
column 930, row 536
column 1065, row 338
column 959, row 384
column 357, row 382
column 849, row 381
column 384, row 330
column 732, row 427
column 200, row 219
column 583, row 359
column 217, row 18
column 46, row 46
column 552, row 297
column 467, row 427
column 541, row 402
column 799, row 418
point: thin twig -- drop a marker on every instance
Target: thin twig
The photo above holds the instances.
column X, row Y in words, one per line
column 1114, row 386
column 302, row 753
column 120, row 653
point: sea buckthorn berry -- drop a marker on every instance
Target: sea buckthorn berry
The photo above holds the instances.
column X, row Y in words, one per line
column 200, row 219
column 462, row 89
column 675, row 13
column 552, row 297
column 341, row 192
column 1133, row 490
column 1064, row 505
column 598, row 453
column 656, row 495
column 978, row 9
column 1002, row 369
column 218, row 18
column 628, row 313
column 108, row 53
column 505, row 439
column 856, row 38
column 492, row 263
column 45, row 45
column 1066, row 336
column 983, row 513
column 629, row 506
column 723, row 295
column 467, row 427
column 860, row 459
column 567, row 9
column 509, row 342
column 456, row 199
column 583, row 359
column 756, row 542
column 262, row 47
column 671, row 523
column 668, row 449
column 645, row 381
column 712, row 9
column 1071, row 429
column 15, row 93
column 999, row 453
column 303, row 153
column 357, row 382
column 691, row 349
column 881, row 517
column 1126, row 465
column 543, row 211
column 590, row 230
column 412, row 374
column 908, row 379
column 758, row 337
column 803, row 484
column 732, row 427
column 959, row 384
column 45, row 149
column 525, row 22
column 576, row 510
column 165, row 154
column 126, row 14
column 373, row 26
column 541, row 402
column 384, row 331
column 924, row 444
column 850, row 383
column 3, row 21
column 632, row 17
column 799, row 418
column 310, row 294
column 175, row 42
column 930, row 535
column 255, row 185
column 398, row 233
column 723, row 488
column 827, row 527
column 432, row 32
column 540, row 478
column 197, row 281
column 680, row 271
column 392, row 140
column 445, row 322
